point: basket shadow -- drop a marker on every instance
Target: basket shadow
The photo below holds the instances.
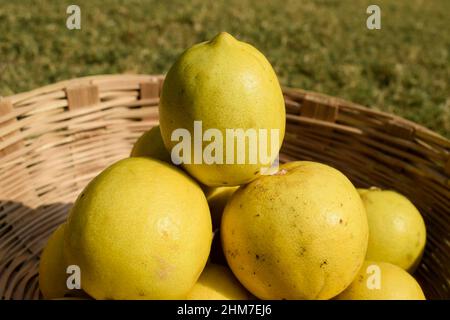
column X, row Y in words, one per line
column 23, row 235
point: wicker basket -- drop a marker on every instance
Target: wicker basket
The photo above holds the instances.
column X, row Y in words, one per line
column 54, row 139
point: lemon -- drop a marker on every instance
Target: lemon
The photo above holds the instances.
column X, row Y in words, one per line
column 217, row 200
column 52, row 270
column 140, row 230
column 150, row 144
column 299, row 234
column 225, row 84
column 52, row 267
column 396, row 229
column 393, row 283
column 217, row 283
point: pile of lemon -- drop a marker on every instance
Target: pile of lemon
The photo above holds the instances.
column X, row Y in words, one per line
column 147, row 229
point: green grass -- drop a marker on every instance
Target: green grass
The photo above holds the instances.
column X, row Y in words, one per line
column 317, row 45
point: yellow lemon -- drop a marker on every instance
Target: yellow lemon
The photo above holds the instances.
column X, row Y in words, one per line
column 299, row 234
column 150, row 144
column 217, row 283
column 52, row 270
column 382, row 281
column 52, row 267
column 225, row 85
column 396, row 229
column 140, row 230
column 217, row 200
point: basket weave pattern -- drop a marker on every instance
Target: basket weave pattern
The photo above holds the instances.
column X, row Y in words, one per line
column 55, row 139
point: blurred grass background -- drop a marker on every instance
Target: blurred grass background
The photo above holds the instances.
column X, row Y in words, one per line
column 316, row 45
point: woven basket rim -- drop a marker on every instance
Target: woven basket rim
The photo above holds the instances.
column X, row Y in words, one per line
column 286, row 90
